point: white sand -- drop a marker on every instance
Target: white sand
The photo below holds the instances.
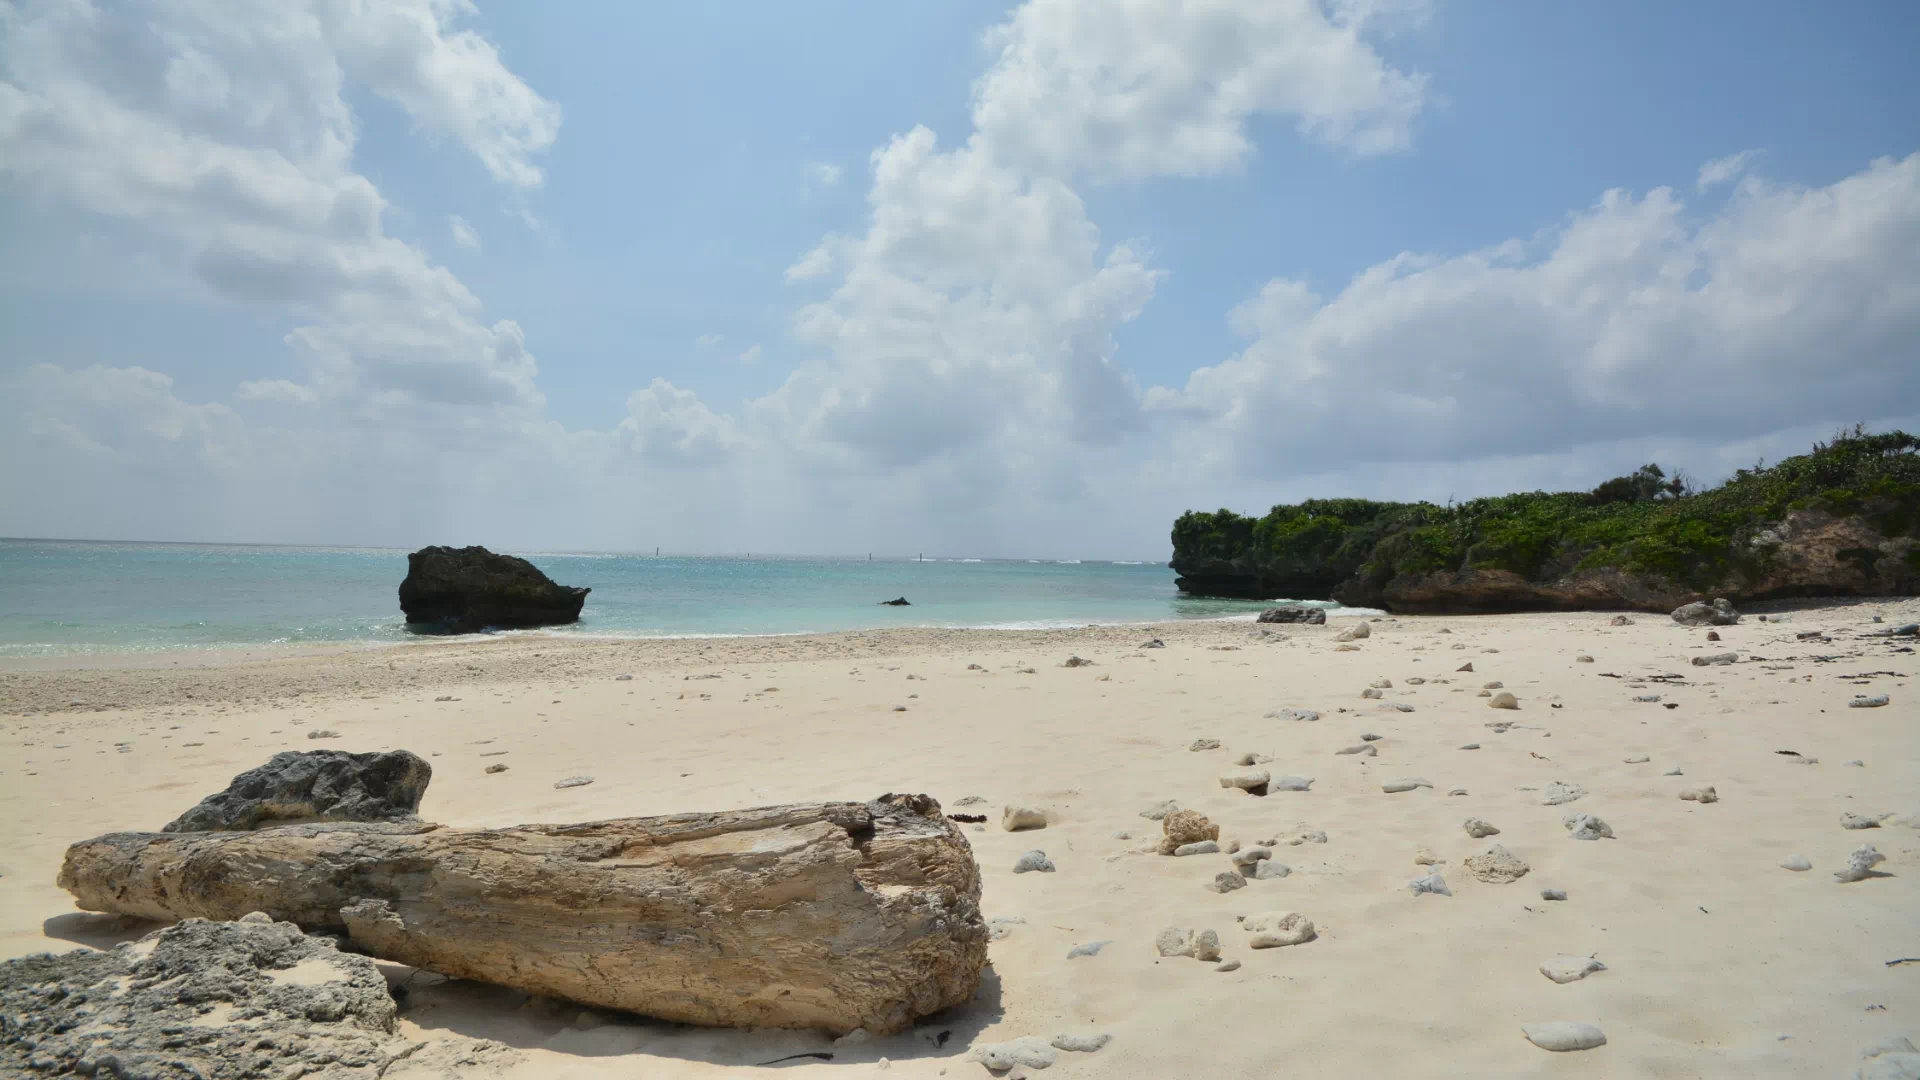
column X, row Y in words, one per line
column 1718, row 961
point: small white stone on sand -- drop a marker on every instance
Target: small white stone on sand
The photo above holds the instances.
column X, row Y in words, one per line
column 1470, row 746
column 1250, row 856
column 1268, row 870
column 1583, row 658
column 1557, row 793
column 1796, row 863
column 1204, row 744
column 1675, row 771
column 1229, row 965
column 1174, row 941
column 1503, row 700
column 1425, row 857
column 1716, row 659
column 1563, row 1035
column 1090, row 948
column 1305, row 715
column 1494, row 685
column 1370, row 692
column 1860, row 864
column 1395, row 706
column 1369, row 736
column 1477, row 828
column 1566, row 969
column 854, row 1038
column 1081, row 1044
column 1497, row 866
column 1254, row 783
column 1274, row 929
column 1354, row 633
column 1700, row 795
column 1865, row 702
column 1364, row 749
column 1638, row 759
column 1381, row 684
column 1206, row 946
column 1291, row 783
column 1431, row 883
column 1861, row 821
column 1016, row 818
column 998, row 928
column 1033, row 860
column 1030, row 1051
column 573, row 781
column 1587, row 827
column 1553, row 894
column 1159, row 810
column 1198, row 847
column 1407, row 783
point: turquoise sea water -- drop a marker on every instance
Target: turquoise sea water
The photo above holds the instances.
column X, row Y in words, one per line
column 64, row 597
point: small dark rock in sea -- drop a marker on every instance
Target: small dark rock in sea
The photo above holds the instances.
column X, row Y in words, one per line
column 896, row 602
column 1294, row 614
column 465, row 590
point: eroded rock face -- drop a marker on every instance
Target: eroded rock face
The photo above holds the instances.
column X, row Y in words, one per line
column 217, row 1000
column 464, row 590
column 315, row 785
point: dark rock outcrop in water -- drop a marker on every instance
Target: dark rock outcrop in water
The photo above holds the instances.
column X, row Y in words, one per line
column 463, row 590
column 214, row 1000
column 315, row 785
column 1842, row 520
column 900, row 602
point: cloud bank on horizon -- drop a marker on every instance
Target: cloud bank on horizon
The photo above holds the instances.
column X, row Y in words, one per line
column 954, row 376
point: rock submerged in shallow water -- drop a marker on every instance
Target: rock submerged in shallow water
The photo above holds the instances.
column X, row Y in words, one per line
column 465, row 590
column 1563, row 1035
column 1312, row 616
column 314, row 785
column 1700, row 613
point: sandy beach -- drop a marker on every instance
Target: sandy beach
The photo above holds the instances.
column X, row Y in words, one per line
column 1718, row 961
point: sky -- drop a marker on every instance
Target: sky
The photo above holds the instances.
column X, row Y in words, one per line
column 976, row 279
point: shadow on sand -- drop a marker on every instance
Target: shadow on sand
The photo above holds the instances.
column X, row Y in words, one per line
column 97, row 930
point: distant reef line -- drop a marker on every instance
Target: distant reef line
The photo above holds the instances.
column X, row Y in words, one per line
column 1840, row 520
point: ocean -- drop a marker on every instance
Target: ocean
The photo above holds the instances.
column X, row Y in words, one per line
column 64, row 597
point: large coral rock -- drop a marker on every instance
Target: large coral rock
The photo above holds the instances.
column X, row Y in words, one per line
column 462, row 590
column 1294, row 613
column 317, row 785
column 215, row 1000
column 833, row 916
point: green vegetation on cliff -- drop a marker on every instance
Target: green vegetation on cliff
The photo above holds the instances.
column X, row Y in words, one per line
column 1645, row 524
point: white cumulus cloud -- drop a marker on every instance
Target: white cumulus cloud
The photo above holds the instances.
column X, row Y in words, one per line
column 1720, row 170
column 463, row 233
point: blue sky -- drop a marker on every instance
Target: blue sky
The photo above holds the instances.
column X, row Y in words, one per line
column 686, row 156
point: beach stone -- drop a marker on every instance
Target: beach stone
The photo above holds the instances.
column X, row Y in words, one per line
column 1304, row 715
column 1181, row 827
column 1479, row 829
column 1468, row 666
column 1033, row 860
column 1206, row 945
column 1583, row 658
column 1566, row 969
column 1675, row 771
column 1425, row 857
column 1714, row 635
column 971, row 800
column 1408, row 783
column 1251, row 856
column 1470, row 746
column 1227, row 880
column 1418, row 681
column 1153, row 643
column 1174, row 941
column 1003, row 926
column 314, row 785
column 1291, row 783
column 1308, row 836
column 1718, row 613
column 1253, row 783
column 1713, row 659
column 1457, row 791
column 1198, row 847
column 1371, row 693
column 1030, row 1051
column 1356, row 632
column 316, row 733
column 1553, row 894
column 1091, row 948
column 1497, row 866
column 1396, row 706
column 1346, row 648
column 1860, row 821
column 1229, row 965
column 1381, row 684
column 1431, row 883
column 1364, row 749
column 1864, row 702
column 1251, row 758
column 1637, row 759
column 1557, row 793
column 1700, row 795
column 1017, row 818
column 623, row 678
column 1369, row 737
column 1860, row 864
column 1268, row 870
column 1158, row 811
column 139, row 1009
column 1503, row 700
column 1494, row 685
column 1563, row 1035
column 1082, row 1044
column 573, row 781
column 1076, row 661
column 497, row 767
column 1312, row 616
column 1620, row 620
column 1587, row 827
column 1796, row 863
column 1275, row 929
column 1204, row 744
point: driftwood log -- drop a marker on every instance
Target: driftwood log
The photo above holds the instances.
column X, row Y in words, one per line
column 832, row 916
